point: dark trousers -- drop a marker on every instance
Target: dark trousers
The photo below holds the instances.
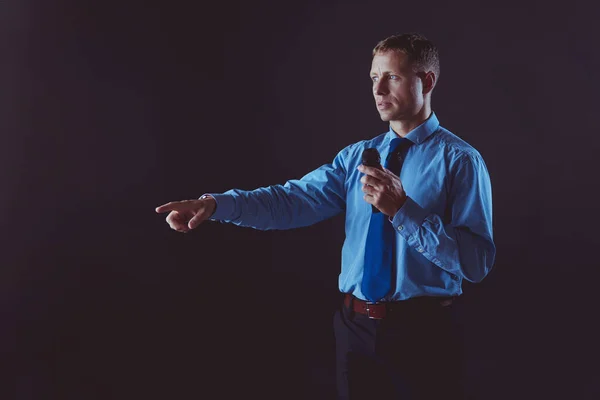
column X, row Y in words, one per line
column 412, row 354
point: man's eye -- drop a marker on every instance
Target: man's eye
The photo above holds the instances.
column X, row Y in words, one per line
column 393, row 77
column 374, row 78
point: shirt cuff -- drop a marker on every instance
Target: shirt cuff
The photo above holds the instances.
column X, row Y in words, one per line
column 225, row 206
column 409, row 219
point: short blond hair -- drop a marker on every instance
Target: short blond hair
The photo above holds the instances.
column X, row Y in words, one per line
column 422, row 52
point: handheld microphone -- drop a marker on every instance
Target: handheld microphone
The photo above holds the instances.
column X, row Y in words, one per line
column 371, row 158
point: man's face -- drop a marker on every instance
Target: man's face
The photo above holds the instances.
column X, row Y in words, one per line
column 397, row 89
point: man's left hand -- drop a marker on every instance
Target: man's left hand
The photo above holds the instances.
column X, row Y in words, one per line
column 383, row 189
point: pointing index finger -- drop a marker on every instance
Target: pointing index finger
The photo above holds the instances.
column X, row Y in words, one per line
column 167, row 207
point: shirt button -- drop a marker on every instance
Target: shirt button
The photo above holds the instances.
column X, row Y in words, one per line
column 420, row 250
column 400, row 227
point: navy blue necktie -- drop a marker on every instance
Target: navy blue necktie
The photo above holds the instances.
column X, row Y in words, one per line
column 381, row 238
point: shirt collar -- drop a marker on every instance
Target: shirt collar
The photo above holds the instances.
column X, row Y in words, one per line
column 421, row 132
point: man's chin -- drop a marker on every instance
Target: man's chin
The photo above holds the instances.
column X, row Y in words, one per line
column 385, row 117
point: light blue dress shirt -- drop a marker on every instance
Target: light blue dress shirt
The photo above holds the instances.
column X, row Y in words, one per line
column 444, row 229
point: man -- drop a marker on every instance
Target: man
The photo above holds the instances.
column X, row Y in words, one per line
column 415, row 229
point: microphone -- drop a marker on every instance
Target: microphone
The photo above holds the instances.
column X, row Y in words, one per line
column 371, row 158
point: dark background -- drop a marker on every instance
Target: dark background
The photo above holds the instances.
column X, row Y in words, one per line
column 109, row 109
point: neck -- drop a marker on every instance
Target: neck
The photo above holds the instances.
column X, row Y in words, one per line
column 404, row 126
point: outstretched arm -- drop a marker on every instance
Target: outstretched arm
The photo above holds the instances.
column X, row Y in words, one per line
column 318, row 195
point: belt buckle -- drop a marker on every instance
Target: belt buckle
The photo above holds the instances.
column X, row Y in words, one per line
column 368, row 303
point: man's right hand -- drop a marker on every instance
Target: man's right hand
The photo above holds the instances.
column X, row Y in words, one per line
column 188, row 214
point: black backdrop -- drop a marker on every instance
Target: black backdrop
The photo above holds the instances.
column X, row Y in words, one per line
column 109, row 109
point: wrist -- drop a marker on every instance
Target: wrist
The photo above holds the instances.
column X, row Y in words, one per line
column 209, row 199
column 401, row 203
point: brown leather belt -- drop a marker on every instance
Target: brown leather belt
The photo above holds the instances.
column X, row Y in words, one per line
column 385, row 309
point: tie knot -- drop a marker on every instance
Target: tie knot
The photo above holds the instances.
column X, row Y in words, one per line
column 397, row 151
column 398, row 144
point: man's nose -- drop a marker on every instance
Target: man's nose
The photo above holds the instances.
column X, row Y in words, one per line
column 380, row 88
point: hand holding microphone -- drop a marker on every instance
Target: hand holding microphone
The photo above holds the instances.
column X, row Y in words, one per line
column 383, row 189
column 371, row 158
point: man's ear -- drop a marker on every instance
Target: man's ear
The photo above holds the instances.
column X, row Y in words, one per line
column 428, row 79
